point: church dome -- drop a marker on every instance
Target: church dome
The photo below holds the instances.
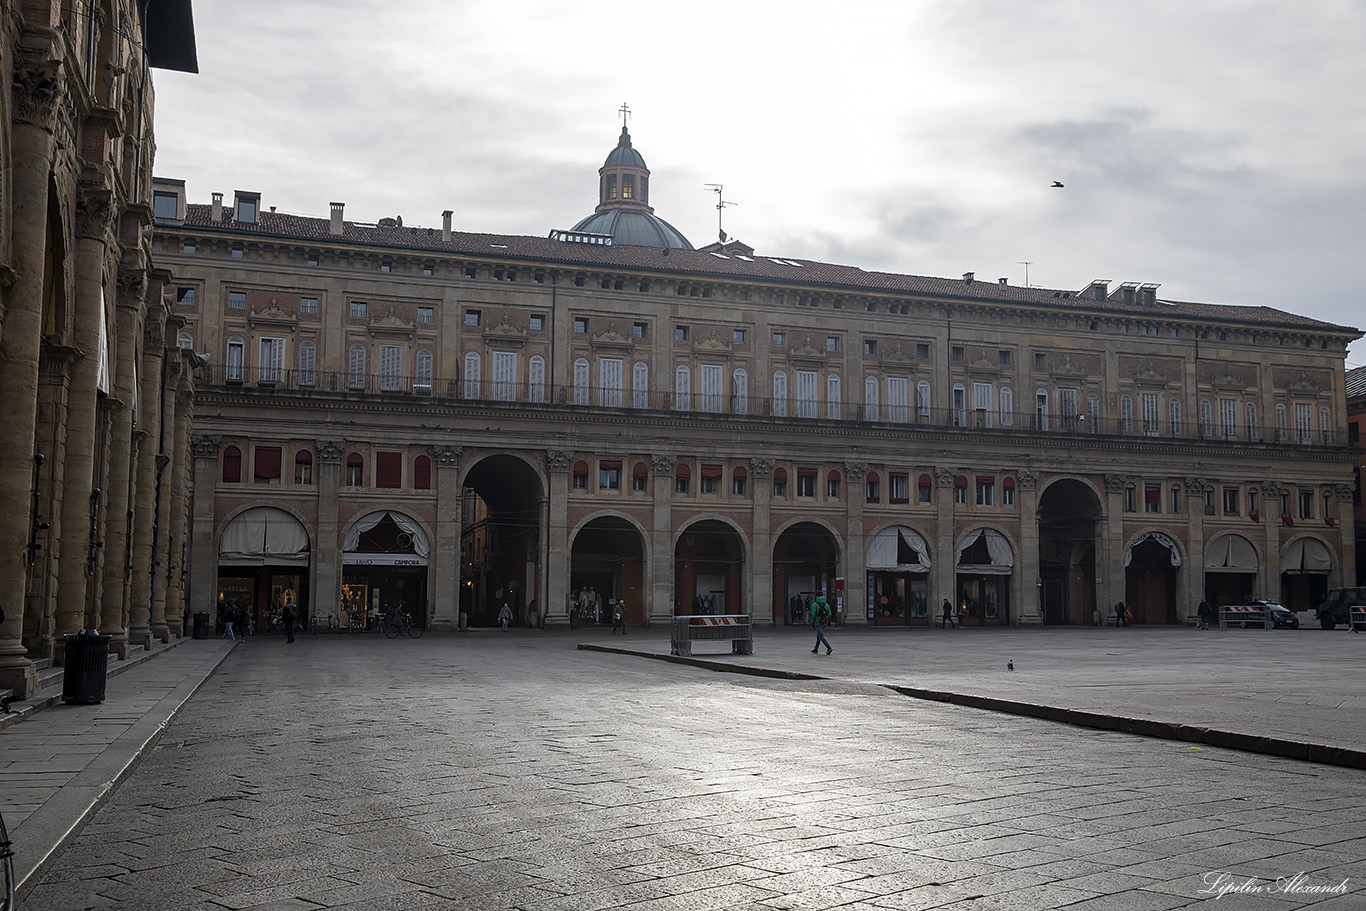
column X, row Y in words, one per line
column 628, row 226
column 624, row 210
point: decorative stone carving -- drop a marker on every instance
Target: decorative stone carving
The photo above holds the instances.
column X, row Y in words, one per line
column 558, row 459
column 1195, row 486
column 132, row 288
column 1027, row 479
column 1271, row 489
column 897, row 356
column 1067, row 369
column 663, row 464
column 506, row 333
column 1230, row 382
column 611, row 340
column 855, row 472
column 206, row 446
column 445, row 455
column 761, row 468
column 1115, row 483
column 94, row 213
column 1304, row 384
column 1150, row 375
column 712, row 345
column 944, row 477
column 330, row 450
column 1343, row 492
column 39, row 86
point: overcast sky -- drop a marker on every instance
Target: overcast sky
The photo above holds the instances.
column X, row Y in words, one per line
column 1217, row 148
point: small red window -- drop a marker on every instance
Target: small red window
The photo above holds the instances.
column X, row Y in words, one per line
column 232, row 465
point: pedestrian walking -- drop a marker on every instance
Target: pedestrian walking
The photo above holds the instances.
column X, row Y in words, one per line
column 1121, row 615
column 229, row 616
column 820, row 616
column 618, row 618
column 505, row 616
column 948, row 621
column 1203, row 612
column 291, row 613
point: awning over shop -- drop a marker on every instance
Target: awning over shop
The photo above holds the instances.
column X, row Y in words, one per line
column 405, row 524
column 264, row 535
column 1306, row 555
column 898, row 549
column 998, row 551
column 1160, row 539
column 1231, row 554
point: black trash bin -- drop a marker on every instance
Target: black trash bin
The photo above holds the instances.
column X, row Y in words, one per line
column 201, row 625
column 87, row 664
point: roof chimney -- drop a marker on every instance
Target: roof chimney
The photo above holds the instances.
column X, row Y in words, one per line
column 216, row 211
column 336, row 226
column 1001, row 282
column 968, row 276
column 446, row 226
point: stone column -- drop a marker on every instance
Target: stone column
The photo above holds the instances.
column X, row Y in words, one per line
column 119, row 478
column 761, row 566
column 163, row 507
column 203, row 555
column 1110, row 546
column 945, row 564
column 1030, row 612
column 556, row 609
column 1345, row 571
column 81, row 500
column 1195, row 536
column 39, row 86
column 662, row 594
column 853, row 569
column 176, row 517
column 148, row 439
column 443, row 563
column 1269, row 567
column 327, row 558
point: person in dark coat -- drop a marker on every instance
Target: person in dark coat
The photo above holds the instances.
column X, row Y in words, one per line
column 948, row 615
column 1204, row 611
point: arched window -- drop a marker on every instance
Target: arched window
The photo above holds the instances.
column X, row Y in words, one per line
column 1007, row 399
column 1326, row 425
column 422, row 473
column 1126, row 414
column 870, row 412
column 536, row 379
column 232, row 465
column 779, row 393
column 640, row 385
column 1093, row 411
column 1282, row 431
column 682, row 388
column 355, row 367
column 960, row 405
column 922, row 400
column 1174, row 416
column 185, row 340
column 303, row 467
column 236, row 353
column 1250, row 418
column 422, row 365
column 1206, row 419
column 308, row 363
column 739, row 391
column 355, row 470
column 473, row 375
column 1041, row 409
column 832, row 397
column 581, row 381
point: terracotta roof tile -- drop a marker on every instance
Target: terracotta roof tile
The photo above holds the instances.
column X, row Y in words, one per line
column 702, row 265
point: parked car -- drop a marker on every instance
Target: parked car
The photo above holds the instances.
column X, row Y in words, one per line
column 1281, row 616
column 1336, row 607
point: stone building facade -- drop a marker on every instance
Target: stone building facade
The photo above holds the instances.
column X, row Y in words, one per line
column 439, row 421
column 97, row 405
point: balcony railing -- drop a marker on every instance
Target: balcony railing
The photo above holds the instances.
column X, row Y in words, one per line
column 496, row 392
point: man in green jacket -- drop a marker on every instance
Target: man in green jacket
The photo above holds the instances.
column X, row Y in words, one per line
column 820, row 615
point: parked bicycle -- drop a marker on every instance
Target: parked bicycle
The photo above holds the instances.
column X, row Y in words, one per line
column 316, row 625
column 400, row 622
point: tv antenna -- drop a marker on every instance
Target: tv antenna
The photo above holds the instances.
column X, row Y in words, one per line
column 721, row 203
column 1026, row 263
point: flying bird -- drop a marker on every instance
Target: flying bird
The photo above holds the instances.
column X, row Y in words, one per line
column 1056, row 183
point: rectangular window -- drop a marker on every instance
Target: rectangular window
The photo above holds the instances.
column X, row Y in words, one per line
column 832, row 488
column 832, row 343
column 1252, row 502
column 738, row 486
column 981, row 404
column 1152, row 498
column 1231, row 498
column 680, row 333
column 237, row 300
column 922, row 350
column 1152, row 415
column 870, row 491
column 737, row 336
column 303, row 472
column 389, row 469
column 806, row 393
column 870, row 347
column 165, row 206
column 1306, row 504
column 426, row 314
column 778, row 340
column 271, row 366
column 504, row 376
column 779, row 488
column 312, row 259
column 1176, row 500
column 1130, row 499
column 680, row 485
column 537, row 323
column 1304, row 431
column 308, row 305
column 609, row 382
column 359, row 309
column 185, row 297
column 581, row 480
column 609, row 476
column 638, row 330
column 923, row 490
column 236, row 350
column 986, row 492
column 1228, row 418
column 898, row 400
column 956, row 355
column 960, row 495
column 188, row 249
column 708, row 484
column 267, row 464
column 898, row 488
column 581, row 325
column 1040, row 361
column 1003, row 358
column 1008, row 496
column 806, row 483
column 246, row 209
column 473, row 317
column 640, row 482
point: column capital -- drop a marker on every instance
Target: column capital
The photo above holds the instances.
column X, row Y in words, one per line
column 762, row 468
column 330, row 450
column 1115, row 483
column 558, row 460
column 94, row 212
column 1196, row 484
column 1027, row 479
column 855, row 471
column 445, row 455
column 39, row 86
column 944, row 477
column 663, row 464
column 206, row 445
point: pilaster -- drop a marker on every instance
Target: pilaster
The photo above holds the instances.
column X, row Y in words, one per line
column 853, row 562
column 761, row 566
column 557, row 463
column 327, row 554
column 443, row 564
column 1030, row 611
column 663, row 598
